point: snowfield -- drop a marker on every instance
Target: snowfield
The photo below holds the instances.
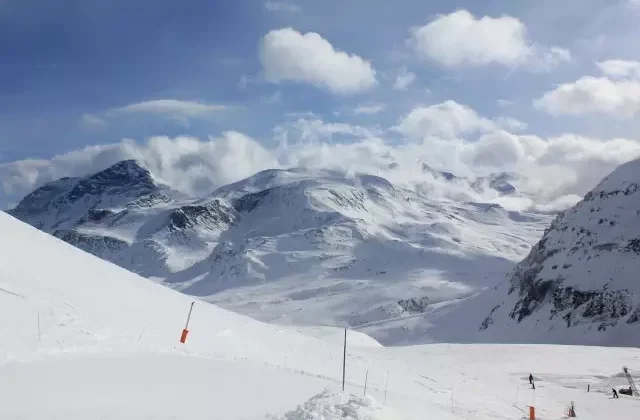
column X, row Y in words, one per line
column 83, row 338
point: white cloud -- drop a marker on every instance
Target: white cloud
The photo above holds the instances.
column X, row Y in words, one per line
column 169, row 107
column 448, row 119
column 369, row 109
column 314, row 131
column 498, row 150
column 589, row 95
column 512, row 124
column 181, row 111
column 282, row 6
column 187, row 164
column 286, row 54
column 300, row 114
column 546, row 59
column 404, row 79
column 620, row 68
column 554, row 172
column 460, row 39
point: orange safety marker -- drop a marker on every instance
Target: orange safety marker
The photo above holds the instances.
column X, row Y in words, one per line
column 185, row 331
column 532, row 413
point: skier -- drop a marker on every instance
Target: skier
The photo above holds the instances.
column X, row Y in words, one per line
column 615, row 393
column 530, row 379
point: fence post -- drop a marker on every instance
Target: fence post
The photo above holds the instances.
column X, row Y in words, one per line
column 366, row 378
column 344, row 359
column 386, row 386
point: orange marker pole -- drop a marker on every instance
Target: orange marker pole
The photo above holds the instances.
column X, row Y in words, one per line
column 185, row 331
column 532, row 413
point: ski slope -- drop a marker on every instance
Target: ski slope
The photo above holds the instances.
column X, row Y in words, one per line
column 83, row 338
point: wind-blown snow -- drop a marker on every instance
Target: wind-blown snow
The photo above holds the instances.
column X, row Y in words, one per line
column 83, row 338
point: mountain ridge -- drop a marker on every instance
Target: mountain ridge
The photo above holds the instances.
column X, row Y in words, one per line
column 581, row 276
column 293, row 246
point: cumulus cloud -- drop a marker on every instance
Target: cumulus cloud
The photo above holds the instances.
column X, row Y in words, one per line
column 553, row 172
column 497, row 151
column 286, row 54
column 620, row 68
column 282, row 6
column 448, row 119
column 512, row 124
column 460, row 39
column 590, row 95
column 404, row 79
column 188, row 164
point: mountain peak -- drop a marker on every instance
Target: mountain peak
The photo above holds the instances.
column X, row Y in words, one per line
column 126, row 175
column 126, row 172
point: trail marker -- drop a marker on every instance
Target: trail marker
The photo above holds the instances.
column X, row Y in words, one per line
column 185, row 331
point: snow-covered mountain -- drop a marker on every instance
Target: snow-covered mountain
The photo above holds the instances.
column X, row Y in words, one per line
column 83, row 338
column 500, row 182
column 293, row 246
column 580, row 282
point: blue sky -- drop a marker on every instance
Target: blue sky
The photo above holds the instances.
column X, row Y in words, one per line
column 76, row 73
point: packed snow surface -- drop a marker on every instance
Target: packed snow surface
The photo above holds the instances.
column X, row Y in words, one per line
column 83, row 338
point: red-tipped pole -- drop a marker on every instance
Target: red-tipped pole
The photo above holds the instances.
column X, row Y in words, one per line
column 185, row 331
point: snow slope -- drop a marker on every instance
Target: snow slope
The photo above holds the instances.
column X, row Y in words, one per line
column 297, row 247
column 83, row 338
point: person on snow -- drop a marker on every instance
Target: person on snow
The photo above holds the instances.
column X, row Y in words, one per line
column 615, row 393
column 530, row 379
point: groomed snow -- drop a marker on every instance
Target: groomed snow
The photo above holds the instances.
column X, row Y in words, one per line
column 82, row 338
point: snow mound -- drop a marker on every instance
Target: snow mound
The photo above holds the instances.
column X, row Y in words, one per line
column 333, row 405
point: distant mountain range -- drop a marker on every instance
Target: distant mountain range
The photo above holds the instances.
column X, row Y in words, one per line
column 294, row 246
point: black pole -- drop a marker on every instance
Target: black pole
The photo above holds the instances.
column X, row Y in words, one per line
column 344, row 358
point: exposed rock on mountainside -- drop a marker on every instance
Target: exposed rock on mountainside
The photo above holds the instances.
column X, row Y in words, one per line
column 584, row 271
